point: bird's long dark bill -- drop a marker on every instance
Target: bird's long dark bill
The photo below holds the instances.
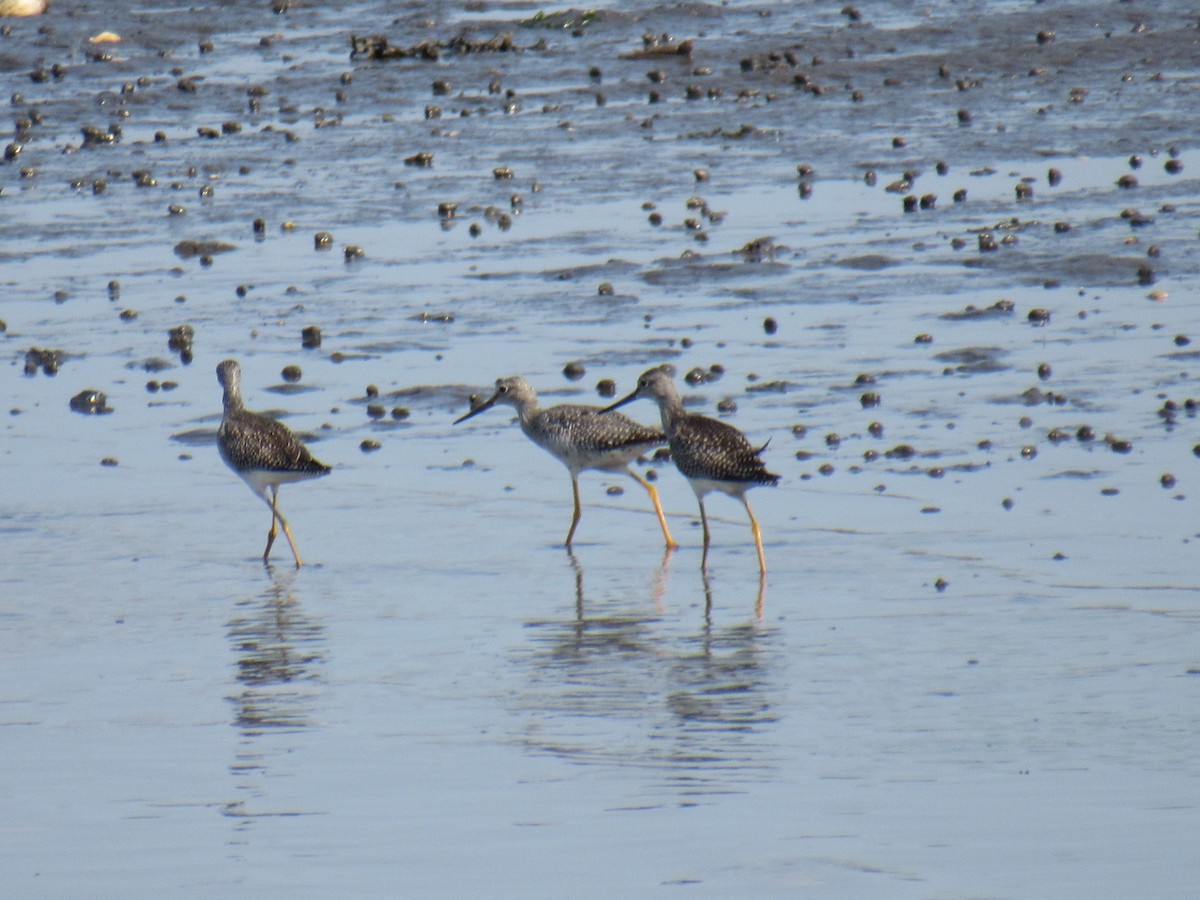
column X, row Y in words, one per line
column 487, row 404
column 621, row 402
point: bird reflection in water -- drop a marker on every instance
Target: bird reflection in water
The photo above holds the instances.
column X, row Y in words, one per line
column 279, row 653
column 614, row 686
column 760, row 600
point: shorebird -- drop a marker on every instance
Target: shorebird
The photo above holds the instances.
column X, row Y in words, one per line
column 712, row 455
column 264, row 452
column 580, row 438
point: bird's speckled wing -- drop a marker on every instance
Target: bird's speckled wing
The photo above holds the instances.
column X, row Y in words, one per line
column 713, row 450
column 574, row 429
column 249, row 441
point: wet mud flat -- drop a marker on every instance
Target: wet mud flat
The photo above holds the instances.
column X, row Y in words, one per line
column 941, row 255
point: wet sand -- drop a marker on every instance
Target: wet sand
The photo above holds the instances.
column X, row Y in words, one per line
column 972, row 668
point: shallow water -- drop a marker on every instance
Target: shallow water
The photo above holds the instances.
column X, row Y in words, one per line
column 971, row 670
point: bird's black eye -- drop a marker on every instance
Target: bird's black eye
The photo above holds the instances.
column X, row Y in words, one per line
column 642, row 383
column 503, row 389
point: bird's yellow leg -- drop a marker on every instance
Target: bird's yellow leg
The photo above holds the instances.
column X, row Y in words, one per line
column 274, row 530
column 762, row 559
column 578, row 511
column 704, row 523
column 658, row 510
column 287, row 530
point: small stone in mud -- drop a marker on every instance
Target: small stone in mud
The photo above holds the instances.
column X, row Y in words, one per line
column 376, row 410
column 440, row 87
column 1085, row 433
column 770, row 326
column 128, row 314
column 870, row 399
column 475, row 229
column 941, row 584
column 899, row 142
column 606, row 387
column 1145, row 276
column 310, row 336
column 180, row 338
column 1173, row 166
column 1044, row 371
column 502, row 173
column 573, row 371
column 605, row 289
column 700, row 174
column 987, row 242
column 923, row 338
column 1039, row 316
column 1062, row 227
column 400, row 413
column 1109, row 491
column 1167, row 480
column 1028, row 451
column 291, row 374
column 372, row 391
column 1120, row 445
column 109, row 461
column 369, row 445
column 1045, row 37
column 447, row 209
column 1054, row 177
column 928, row 201
column 960, row 196
column 46, row 360
column 1127, row 182
column 90, row 402
column 1182, row 340
column 909, row 203
column 353, row 252
column 1024, row 191
column 322, row 240
column 1007, row 503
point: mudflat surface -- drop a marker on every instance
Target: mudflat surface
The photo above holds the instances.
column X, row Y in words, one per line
column 972, row 669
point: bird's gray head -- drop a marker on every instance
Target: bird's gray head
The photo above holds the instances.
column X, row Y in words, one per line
column 514, row 391
column 229, row 373
column 655, row 383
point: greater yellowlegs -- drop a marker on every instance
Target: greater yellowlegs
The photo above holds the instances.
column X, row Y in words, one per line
column 711, row 454
column 580, row 438
column 262, row 451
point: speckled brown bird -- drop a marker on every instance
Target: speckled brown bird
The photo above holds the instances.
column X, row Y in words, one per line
column 580, row 438
column 264, row 452
column 712, row 455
